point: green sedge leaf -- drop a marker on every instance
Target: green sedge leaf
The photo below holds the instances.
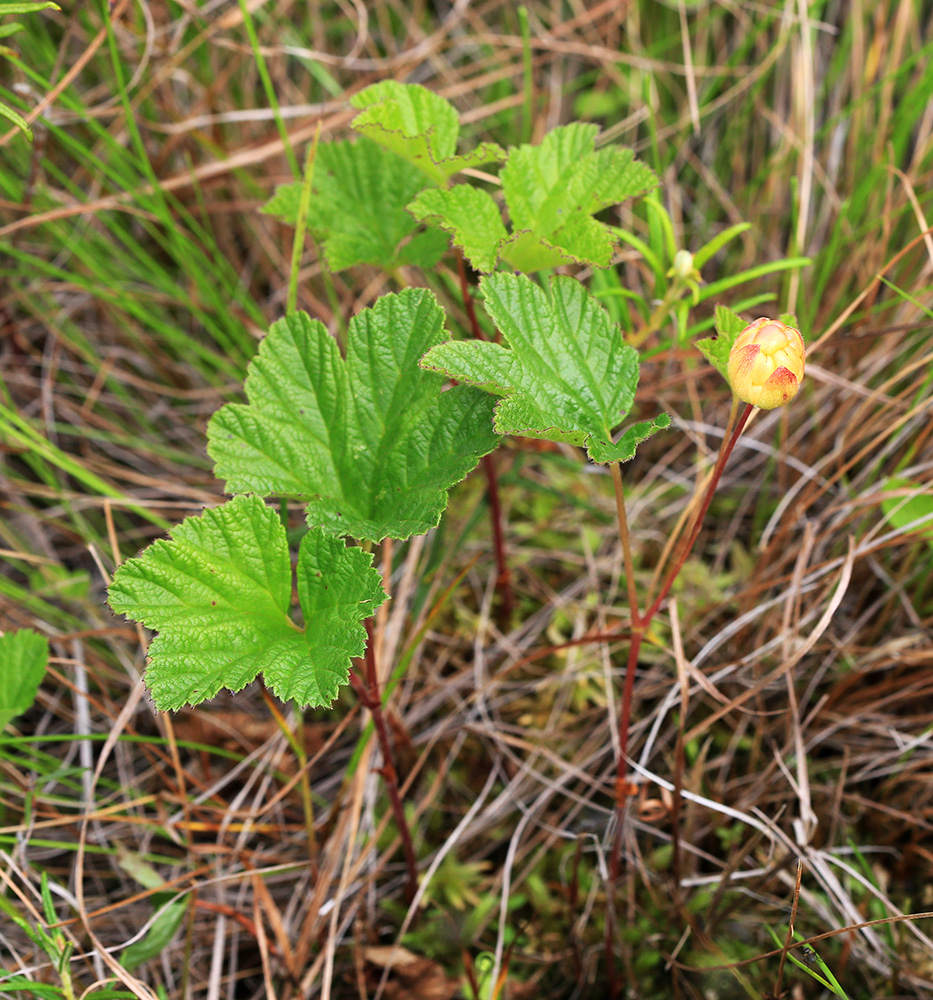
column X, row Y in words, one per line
column 17, row 119
column 30, row 988
column 19, row 8
column 716, row 288
column 218, row 593
column 419, row 126
column 567, row 374
column 26, row 8
column 48, row 906
column 373, row 443
column 357, row 208
column 24, row 656
column 709, row 250
column 717, row 349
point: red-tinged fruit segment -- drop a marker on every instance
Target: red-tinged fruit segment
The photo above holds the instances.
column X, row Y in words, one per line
column 766, row 364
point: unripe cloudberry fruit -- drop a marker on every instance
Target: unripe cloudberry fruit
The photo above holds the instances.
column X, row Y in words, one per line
column 766, row 364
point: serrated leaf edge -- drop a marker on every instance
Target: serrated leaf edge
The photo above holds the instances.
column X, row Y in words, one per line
column 652, row 425
column 444, row 161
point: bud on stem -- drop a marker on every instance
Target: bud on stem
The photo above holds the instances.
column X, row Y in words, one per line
column 766, row 364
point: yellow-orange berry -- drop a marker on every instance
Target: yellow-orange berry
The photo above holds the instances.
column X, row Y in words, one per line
column 766, row 364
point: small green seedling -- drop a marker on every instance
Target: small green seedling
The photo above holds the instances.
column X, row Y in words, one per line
column 53, row 942
column 5, row 31
column 812, row 964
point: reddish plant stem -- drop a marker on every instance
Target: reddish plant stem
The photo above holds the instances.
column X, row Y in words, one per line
column 640, row 624
column 503, row 573
column 467, row 296
column 724, row 454
column 628, row 561
column 370, row 698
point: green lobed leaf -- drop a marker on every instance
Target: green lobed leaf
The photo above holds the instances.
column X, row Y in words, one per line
column 334, row 583
column 717, row 349
column 218, row 592
column 472, row 218
column 24, row 656
column 624, row 449
column 419, row 126
column 553, row 189
column 372, row 443
column 567, row 374
column 541, row 180
column 357, row 209
column 527, row 252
